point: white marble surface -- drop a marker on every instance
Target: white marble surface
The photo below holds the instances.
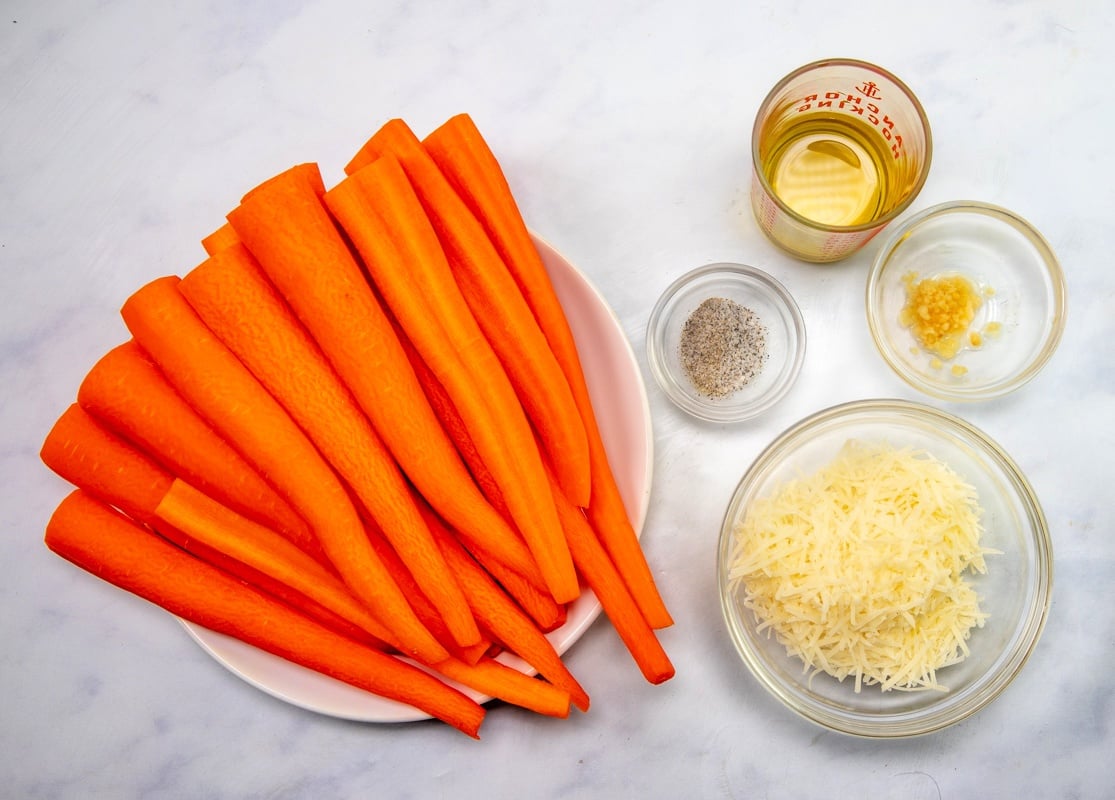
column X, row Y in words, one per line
column 128, row 128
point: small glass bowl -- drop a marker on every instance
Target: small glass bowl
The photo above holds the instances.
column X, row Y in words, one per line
column 1015, row 591
column 778, row 314
column 1014, row 270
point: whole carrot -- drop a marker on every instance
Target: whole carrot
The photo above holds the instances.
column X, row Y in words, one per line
column 538, row 604
column 385, row 222
column 128, row 394
column 285, row 226
column 527, row 591
column 467, row 161
column 608, row 585
column 222, row 390
column 97, row 461
column 235, row 300
column 498, row 305
column 87, row 455
column 103, row 542
column 206, row 521
column 505, row 683
column 508, row 623
column 421, row 604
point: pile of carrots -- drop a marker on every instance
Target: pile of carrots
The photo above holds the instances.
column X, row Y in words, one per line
column 358, row 436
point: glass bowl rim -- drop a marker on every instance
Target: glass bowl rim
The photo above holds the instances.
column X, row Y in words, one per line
column 1041, row 247
column 754, row 278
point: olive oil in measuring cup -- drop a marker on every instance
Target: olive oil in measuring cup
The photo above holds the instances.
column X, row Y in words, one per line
column 832, row 169
column 839, row 149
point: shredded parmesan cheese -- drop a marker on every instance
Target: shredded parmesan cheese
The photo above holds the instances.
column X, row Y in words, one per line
column 859, row 569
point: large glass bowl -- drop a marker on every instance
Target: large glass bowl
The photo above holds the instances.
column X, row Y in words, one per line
column 1020, row 319
column 1014, row 592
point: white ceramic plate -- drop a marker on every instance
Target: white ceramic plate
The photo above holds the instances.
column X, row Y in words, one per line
column 623, row 414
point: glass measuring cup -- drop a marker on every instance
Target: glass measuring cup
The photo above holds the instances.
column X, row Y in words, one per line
column 840, row 148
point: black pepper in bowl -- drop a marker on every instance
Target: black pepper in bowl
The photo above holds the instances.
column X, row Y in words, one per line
column 722, row 347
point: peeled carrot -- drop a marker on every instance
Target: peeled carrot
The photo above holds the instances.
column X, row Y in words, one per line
column 219, row 239
column 385, row 222
column 455, row 428
column 128, row 394
column 525, row 590
column 191, row 512
column 508, row 623
column 421, row 604
column 505, row 683
column 285, row 226
column 97, row 461
column 204, row 520
column 498, row 305
column 467, row 161
column 87, row 455
column 105, row 543
column 222, row 390
column 235, row 300
column 526, row 586
column 307, row 175
column 538, row 604
column 615, row 598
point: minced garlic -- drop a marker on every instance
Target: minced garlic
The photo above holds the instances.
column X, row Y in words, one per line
column 939, row 311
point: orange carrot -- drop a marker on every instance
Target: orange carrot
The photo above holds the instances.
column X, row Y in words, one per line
column 498, row 305
column 526, row 590
column 468, row 162
column 128, row 394
column 87, row 455
column 276, row 589
column 505, row 683
column 308, row 175
column 507, row 622
column 219, row 239
column 233, row 297
column 288, row 230
column 540, row 606
column 204, row 520
column 421, row 604
column 95, row 460
column 384, row 220
column 615, row 598
column 103, row 542
column 536, row 602
column 222, row 390
column 455, row 428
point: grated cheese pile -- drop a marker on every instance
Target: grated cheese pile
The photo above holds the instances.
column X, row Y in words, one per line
column 859, row 569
